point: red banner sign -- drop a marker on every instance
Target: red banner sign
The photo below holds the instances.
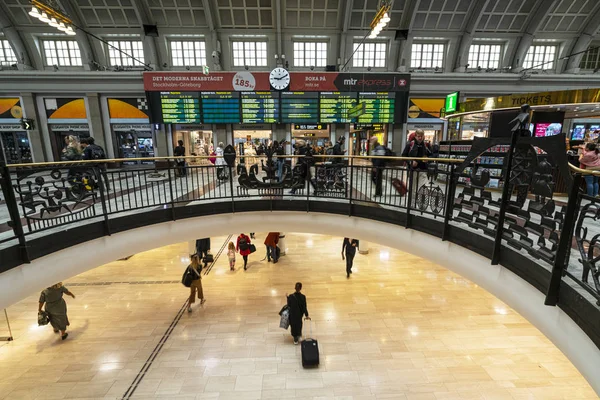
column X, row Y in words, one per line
column 259, row 81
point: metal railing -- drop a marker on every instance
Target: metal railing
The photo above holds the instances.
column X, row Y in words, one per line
column 42, row 199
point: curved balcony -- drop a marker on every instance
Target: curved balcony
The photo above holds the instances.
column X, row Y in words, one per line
column 549, row 241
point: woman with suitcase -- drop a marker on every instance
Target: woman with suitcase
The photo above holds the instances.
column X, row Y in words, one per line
column 297, row 304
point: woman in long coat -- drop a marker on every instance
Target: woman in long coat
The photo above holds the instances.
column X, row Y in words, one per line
column 243, row 246
column 297, row 304
column 56, row 307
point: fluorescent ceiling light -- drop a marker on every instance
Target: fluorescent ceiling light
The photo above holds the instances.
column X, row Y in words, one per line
column 35, row 12
column 44, row 17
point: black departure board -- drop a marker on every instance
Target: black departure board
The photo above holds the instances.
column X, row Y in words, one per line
column 260, row 107
column 180, row 107
column 334, row 106
column 379, row 107
column 221, row 107
column 299, row 107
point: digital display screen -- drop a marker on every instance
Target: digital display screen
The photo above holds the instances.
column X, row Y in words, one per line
column 379, row 107
column 334, row 106
column 221, row 107
column 260, row 107
column 547, row 129
column 578, row 132
column 299, row 107
column 180, row 107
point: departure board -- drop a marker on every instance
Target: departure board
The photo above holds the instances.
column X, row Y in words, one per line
column 334, row 106
column 260, row 107
column 180, row 107
column 379, row 107
column 221, row 107
column 299, row 107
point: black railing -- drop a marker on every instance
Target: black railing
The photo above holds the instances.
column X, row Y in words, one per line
column 552, row 241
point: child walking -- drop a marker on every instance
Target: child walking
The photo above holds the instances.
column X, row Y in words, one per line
column 231, row 256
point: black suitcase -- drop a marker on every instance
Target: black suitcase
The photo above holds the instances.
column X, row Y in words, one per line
column 310, row 351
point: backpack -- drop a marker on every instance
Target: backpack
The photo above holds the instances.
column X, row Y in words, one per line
column 426, row 145
column 243, row 244
column 97, row 153
column 389, row 152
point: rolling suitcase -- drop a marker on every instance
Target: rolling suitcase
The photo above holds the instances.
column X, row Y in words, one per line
column 309, row 348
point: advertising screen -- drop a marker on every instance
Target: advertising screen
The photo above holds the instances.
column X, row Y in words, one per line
column 547, row 129
column 180, row 107
column 578, row 132
column 221, row 107
column 334, row 106
column 299, row 107
column 379, row 107
column 260, row 107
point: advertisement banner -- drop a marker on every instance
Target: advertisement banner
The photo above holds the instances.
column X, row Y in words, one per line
column 65, row 108
column 259, row 81
column 128, row 108
column 10, row 108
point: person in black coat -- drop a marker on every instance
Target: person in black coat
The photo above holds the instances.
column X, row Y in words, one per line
column 349, row 247
column 202, row 249
column 297, row 304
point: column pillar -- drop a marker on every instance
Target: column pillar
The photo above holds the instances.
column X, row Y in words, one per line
column 94, row 117
column 35, row 135
column 282, row 243
column 161, row 147
column 363, row 247
column 220, row 135
column 279, row 133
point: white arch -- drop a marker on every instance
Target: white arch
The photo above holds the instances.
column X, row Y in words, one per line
column 27, row 279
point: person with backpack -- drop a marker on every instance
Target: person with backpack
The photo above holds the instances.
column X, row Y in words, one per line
column 338, row 150
column 379, row 164
column 92, row 151
column 243, row 247
column 417, row 147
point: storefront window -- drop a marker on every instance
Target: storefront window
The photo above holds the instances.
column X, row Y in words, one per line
column 16, row 147
column 134, row 142
column 197, row 142
column 475, row 125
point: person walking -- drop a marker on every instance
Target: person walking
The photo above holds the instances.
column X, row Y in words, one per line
column 349, row 249
column 196, row 287
column 179, row 151
column 271, row 243
column 56, row 307
column 231, row 256
column 92, row 151
column 378, row 150
column 202, row 249
column 243, row 246
column 590, row 160
column 297, row 306
column 222, row 169
column 417, row 148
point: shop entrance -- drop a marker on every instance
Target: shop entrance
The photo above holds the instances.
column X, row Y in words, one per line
column 251, row 143
column 135, row 144
column 196, row 140
column 16, row 147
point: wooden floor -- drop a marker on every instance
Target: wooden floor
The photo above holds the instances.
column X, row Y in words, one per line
column 399, row 328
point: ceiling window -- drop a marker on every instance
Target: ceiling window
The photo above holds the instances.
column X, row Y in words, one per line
column 540, row 57
column 310, row 54
column 369, row 55
column 484, row 55
column 64, row 53
column 427, row 55
column 188, row 53
column 7, row 55
column 131, row 48
column 591, row 58
column 252, row 54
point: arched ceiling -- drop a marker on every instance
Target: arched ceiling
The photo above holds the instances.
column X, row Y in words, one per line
column 563, row 20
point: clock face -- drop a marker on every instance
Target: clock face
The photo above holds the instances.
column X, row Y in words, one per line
column 279, row 78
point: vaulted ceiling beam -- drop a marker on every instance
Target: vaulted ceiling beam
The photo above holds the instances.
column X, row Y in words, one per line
column 407, row 21
column 459, row 59
column 346, row 12
column 12, row 35
column 214, row 35
column 144, row 16
column 583, row 41
column 536, row 17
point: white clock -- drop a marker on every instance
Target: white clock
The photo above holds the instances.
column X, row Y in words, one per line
column 279, row 78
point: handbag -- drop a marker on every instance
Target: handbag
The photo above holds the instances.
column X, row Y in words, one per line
column 208, row 258
column 252, row 248
column 284, row 322
column 43, row 318
column 187, row 278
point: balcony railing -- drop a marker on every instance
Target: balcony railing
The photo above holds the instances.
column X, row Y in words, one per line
column 551, row 240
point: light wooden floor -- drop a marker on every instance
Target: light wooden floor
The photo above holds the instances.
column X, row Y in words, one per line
column 399, row 328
